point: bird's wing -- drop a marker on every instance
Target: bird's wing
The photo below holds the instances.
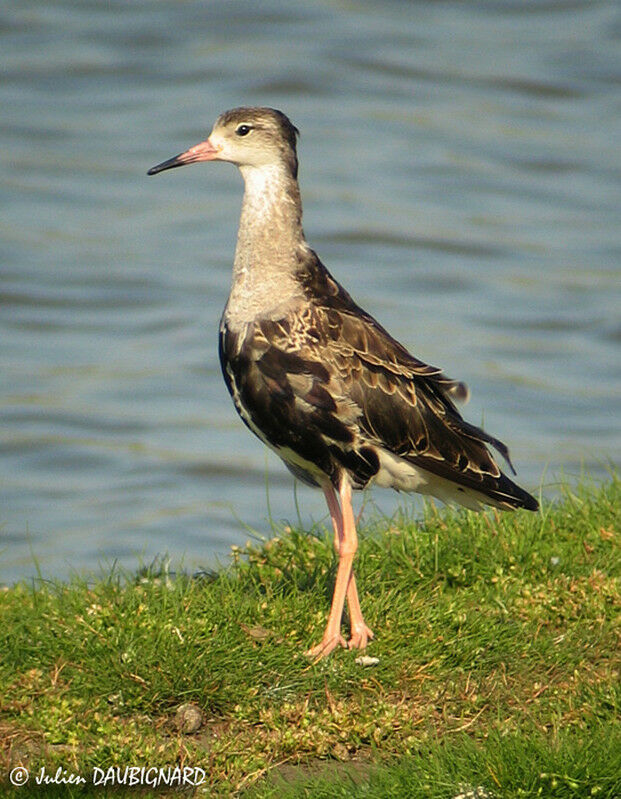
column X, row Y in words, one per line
column 405, row 405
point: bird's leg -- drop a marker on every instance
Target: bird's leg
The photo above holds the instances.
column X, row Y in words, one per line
column 345, row 544
column 335, row 515
column 360, row 633
column 332, row 636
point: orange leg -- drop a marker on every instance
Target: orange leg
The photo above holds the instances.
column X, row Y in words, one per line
column 360, row 633
column 346, row 544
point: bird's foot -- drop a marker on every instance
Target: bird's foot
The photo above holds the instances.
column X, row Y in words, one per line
column 360, row 636
column 328, row 643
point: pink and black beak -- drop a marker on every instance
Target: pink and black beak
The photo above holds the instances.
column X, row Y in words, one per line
column 205, row 151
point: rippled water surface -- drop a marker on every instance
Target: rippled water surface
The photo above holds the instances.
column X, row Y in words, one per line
column 461, row 176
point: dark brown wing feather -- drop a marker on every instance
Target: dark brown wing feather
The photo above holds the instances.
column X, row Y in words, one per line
column 365, row 334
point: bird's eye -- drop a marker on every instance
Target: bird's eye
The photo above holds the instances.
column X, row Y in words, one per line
column 243, row 130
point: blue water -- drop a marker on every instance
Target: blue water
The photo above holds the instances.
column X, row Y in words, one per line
column 461, row 175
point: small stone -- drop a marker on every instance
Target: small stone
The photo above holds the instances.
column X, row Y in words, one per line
column 366, row 660
column 188, row 718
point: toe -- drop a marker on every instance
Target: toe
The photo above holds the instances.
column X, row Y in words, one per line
column 323, row 649
column 360, row 637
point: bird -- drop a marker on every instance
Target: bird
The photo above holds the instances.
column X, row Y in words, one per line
column 319, row 380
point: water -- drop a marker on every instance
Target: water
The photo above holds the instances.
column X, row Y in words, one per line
column 461, row 176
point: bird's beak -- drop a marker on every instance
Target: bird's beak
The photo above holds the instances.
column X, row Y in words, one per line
column 205, row 151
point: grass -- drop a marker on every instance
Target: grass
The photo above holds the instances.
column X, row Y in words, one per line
column 498, row 673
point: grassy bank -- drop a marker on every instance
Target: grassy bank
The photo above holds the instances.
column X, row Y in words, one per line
column 498, row 673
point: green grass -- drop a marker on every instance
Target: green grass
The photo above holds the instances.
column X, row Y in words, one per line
column 497, row 639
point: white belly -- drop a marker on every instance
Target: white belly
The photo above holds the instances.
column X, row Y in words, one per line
column 394, row 472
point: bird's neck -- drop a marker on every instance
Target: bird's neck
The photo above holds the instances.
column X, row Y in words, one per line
column 269, row 241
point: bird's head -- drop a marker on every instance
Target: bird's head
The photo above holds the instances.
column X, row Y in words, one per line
column 248, row 137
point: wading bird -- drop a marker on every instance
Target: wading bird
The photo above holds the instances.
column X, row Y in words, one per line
column 318, row 379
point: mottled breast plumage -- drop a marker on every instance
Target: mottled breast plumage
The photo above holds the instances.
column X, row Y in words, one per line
column 282, row 396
